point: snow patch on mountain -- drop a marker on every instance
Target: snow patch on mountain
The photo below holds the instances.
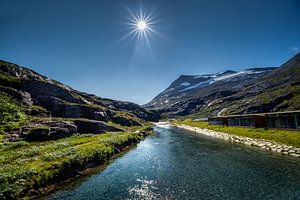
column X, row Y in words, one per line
column 169, row 90
column 185, row 84
column 203, row 76
column 241, row 73
column 198, row 85
column 217, row 77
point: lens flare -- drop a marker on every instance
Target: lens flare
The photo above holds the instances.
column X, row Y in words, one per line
column 141, row 24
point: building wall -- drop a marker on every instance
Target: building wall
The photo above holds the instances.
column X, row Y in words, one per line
column 242, row 121
column 285, row 121
column 215, row 122
column 270, row 120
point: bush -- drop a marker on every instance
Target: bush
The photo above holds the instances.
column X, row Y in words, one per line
column 12, row 114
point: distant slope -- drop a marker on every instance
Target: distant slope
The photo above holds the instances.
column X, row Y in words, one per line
column 248, row 91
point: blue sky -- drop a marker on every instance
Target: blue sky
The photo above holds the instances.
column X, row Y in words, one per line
column 80, row 43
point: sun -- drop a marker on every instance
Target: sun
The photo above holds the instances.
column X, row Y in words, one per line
column 141, row 25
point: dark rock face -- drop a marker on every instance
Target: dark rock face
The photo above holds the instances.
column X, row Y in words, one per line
column 93, row 126
column 22, row 96
column 38, row 134
column 41, row 88
column 126, row 121
column 52, row 130
column 60, row 108
column 49, row 131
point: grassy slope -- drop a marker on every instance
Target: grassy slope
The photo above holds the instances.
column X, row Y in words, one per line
column 12, row 114
column 27, row 165
column 282, row 136
column 261, row 100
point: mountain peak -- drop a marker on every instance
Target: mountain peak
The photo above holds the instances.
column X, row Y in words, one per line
column 250, row 90
column 189, row 86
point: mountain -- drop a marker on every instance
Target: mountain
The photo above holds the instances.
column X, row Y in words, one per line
column 36, row 108
column 248, row 91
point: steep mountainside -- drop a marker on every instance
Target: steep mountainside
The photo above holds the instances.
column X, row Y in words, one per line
column 56, row 110
column 248, row 91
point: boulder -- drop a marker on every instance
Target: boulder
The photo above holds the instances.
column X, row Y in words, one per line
column 39, row 133
column 93, row 126
column 49, row 131
column 124, row 121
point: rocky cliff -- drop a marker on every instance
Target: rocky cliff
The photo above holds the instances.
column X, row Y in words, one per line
column 55, row 110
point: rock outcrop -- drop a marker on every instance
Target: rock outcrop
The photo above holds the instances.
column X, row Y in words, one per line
column 49, row 130
column 78, row 112
column 93, row 126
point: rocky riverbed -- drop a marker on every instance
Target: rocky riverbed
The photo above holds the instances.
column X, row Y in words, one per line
column 264, row 144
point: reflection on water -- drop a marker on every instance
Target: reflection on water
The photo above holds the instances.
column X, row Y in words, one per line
column 144, row 189
column 181, row 165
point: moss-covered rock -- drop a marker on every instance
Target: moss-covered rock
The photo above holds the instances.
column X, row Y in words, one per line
column 124, row 121
column 38, row 133
column 50, row 130
column 93, row 126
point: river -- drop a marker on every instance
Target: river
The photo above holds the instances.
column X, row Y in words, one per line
column 177, row 164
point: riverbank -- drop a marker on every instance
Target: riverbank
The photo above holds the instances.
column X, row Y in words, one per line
column 28, row 167
column 258, row 142
column 173, row 164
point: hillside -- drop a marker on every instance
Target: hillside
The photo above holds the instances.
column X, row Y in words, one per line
column 248, row 91
column 34, row 107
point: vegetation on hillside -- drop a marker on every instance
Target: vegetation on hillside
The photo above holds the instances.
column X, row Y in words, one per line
column 6, row 80
column 12, row 114
column 280, row 99
column 285, row 98
column 281, row 136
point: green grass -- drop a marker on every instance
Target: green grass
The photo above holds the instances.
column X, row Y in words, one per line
column 7, row 80
column 282, row 136
column 12, row 114
column 261, row 100
column 28, row 165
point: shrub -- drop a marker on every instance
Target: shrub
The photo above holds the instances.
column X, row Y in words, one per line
column 12, row 114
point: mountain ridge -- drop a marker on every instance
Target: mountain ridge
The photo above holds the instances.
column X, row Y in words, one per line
column 195, row 94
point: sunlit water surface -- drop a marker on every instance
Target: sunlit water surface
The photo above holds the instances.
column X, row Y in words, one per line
column 175, row 164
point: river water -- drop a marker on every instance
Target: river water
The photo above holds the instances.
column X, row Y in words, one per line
column 177, row 164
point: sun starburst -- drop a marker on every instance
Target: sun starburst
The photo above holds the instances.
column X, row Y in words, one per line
column 141, row 24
